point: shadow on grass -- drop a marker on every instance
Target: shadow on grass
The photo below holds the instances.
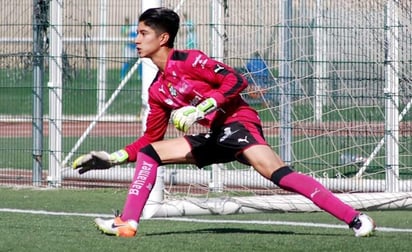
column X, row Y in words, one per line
column 238, row 231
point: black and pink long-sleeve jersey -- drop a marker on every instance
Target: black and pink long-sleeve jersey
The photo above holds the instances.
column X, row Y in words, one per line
column 188, row 78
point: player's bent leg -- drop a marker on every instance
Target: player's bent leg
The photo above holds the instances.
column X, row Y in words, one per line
column 305, row 185
column 287, row 179
column 148, row 159
column 144, row 178
column 142, row 183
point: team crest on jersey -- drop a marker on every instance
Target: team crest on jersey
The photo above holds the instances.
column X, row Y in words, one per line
column 172, row 90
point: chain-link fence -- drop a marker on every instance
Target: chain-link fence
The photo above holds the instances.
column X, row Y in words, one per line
column 328, row 62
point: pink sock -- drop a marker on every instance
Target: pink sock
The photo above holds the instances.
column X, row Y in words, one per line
column 140, row 188
column 322, row 197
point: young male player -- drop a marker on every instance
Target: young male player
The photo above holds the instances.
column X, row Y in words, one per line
column 192, row 88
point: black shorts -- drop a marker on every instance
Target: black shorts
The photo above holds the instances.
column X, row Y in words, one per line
column 225, row 144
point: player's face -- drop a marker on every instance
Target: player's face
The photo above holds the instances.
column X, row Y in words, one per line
column 147, row 41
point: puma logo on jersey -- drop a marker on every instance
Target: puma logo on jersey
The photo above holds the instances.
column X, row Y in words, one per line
column 218, row 68
column 314, row 193
column 162, row 90
column 243, row 140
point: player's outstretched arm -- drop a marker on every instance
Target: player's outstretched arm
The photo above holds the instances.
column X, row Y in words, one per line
column 99, row 160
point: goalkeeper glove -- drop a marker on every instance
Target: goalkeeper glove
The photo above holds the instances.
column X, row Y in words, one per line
column 99, row 160
column 184, row 117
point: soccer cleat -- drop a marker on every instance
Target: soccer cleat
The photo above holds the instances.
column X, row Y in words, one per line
column 117, row 227
column 363, row 225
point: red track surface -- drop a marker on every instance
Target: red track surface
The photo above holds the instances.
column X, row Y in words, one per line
column 76, row 129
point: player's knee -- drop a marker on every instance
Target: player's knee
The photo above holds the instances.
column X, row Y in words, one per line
column 280, row 173
column 151, row 152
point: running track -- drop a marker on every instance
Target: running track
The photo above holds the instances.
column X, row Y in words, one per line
column 133, row 129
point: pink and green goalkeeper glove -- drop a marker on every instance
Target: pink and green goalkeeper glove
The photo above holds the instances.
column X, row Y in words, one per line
column 184, row 117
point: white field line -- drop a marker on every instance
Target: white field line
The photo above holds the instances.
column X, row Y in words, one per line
column 194, row 220
column 42, row 212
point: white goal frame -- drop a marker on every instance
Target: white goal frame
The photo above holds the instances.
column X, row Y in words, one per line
column 161, row 204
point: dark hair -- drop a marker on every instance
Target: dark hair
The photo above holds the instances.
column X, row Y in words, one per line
column 162, row 20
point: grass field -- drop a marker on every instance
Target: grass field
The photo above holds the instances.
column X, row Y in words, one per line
column 70, row 227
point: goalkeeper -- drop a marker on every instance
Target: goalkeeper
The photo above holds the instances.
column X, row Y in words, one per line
column 192, row 88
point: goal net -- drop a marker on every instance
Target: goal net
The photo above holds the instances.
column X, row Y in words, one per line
column 332, row 83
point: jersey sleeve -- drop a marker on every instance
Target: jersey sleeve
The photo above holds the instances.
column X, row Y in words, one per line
column 156, row 126
column 226, row 82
